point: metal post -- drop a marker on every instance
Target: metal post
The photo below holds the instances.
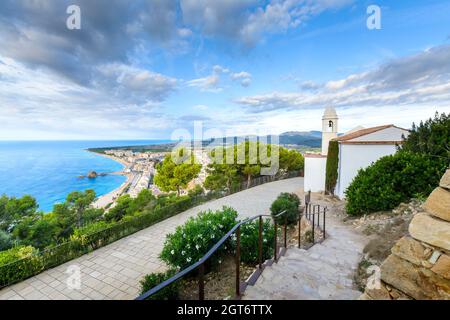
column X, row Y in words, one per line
column 318, row 216
column 313, row 217
column 275, row 242
column 285, row 231
column 238, row 261
column 306, row 211
column 324, row 214
column 310, row 207
column 201, row 282
column 299, row 227
column 260, row 240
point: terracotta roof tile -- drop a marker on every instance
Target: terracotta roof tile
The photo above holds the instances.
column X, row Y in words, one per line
column 364, row 132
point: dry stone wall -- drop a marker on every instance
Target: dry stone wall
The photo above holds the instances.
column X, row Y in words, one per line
column 419, row 264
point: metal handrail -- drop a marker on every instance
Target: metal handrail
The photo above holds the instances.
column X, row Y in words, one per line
column 200, row 263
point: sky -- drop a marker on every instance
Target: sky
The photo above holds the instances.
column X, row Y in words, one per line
column 151, row 69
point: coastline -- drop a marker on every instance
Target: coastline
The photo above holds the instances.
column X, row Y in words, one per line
column 109, row 198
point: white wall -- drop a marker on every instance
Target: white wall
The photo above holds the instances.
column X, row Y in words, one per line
column 315, row 168
column 353, row 157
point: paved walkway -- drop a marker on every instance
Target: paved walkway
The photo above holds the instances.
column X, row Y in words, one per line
column 324, row 272
column 114, row 271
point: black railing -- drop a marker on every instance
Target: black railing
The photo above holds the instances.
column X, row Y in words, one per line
column 309, row 211
column 200, row 265
column 316, row 215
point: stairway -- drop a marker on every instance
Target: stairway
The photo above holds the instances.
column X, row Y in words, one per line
column 324, row 272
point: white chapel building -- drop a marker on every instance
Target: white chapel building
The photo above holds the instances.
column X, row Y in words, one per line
column 358, row 149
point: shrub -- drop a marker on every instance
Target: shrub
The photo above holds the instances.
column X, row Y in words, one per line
column 16, row 253
column 79, row 233
column 392, row 180
column 332, row 166
column 150, row 281
column 18, row 263
column 288, row 202
column 197, row 236
column 5, row 240
column 250, row 240
column 291, row 197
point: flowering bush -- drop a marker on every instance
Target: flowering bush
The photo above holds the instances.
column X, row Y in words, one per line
column 250, row 238
column 197, row 236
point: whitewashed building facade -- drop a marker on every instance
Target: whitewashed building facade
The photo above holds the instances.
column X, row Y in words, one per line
column 361, row 148
column 358, row 149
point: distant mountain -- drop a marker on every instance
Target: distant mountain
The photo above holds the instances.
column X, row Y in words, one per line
column 302, row 138
column 317, row 134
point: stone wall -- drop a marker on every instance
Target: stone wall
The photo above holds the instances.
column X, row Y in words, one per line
column 419, row 264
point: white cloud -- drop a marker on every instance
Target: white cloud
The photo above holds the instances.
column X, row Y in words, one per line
column 243, row 77
column 134, row 84
column 212, row 82
column 423, row 78
column 56, row 108
column 209, row 83
column 247, row 21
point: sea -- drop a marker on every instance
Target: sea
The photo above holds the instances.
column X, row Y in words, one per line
column 50, row 170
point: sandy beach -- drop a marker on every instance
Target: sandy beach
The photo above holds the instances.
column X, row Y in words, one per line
column 109, row 198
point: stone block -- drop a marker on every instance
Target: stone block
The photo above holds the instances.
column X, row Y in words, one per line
column 442, row 266
column 412, row 250
column 445, row 180
column 438, row 203
column 378, row 294
column 417, row 282
column 430, row 230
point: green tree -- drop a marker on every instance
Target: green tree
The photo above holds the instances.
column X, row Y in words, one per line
column 251, row 166
column 76, row 211
column 39, row 231
column 172, row 176
column 120, row 209
column 291, row 160
column 6, row 241
column 431, row 137
column 78, row 202
column 13, row 210
column 332, row 166
column 221, row 177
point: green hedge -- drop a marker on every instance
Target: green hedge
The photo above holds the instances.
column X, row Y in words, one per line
column 79, row 245
column 391, row 180
column 332, row 166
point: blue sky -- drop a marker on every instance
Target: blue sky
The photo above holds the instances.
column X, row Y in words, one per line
column 144, row 69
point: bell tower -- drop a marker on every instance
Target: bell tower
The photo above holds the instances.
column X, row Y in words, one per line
column 329, row 128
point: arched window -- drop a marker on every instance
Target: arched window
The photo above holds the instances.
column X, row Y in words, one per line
column 330, row 126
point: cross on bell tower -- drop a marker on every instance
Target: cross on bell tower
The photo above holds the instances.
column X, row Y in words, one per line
column 329, row 128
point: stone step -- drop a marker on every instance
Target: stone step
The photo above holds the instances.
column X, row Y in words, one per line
column 324, row 271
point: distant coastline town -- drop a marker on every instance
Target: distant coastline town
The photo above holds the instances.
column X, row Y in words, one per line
column 140, row 169
column 140, row 164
